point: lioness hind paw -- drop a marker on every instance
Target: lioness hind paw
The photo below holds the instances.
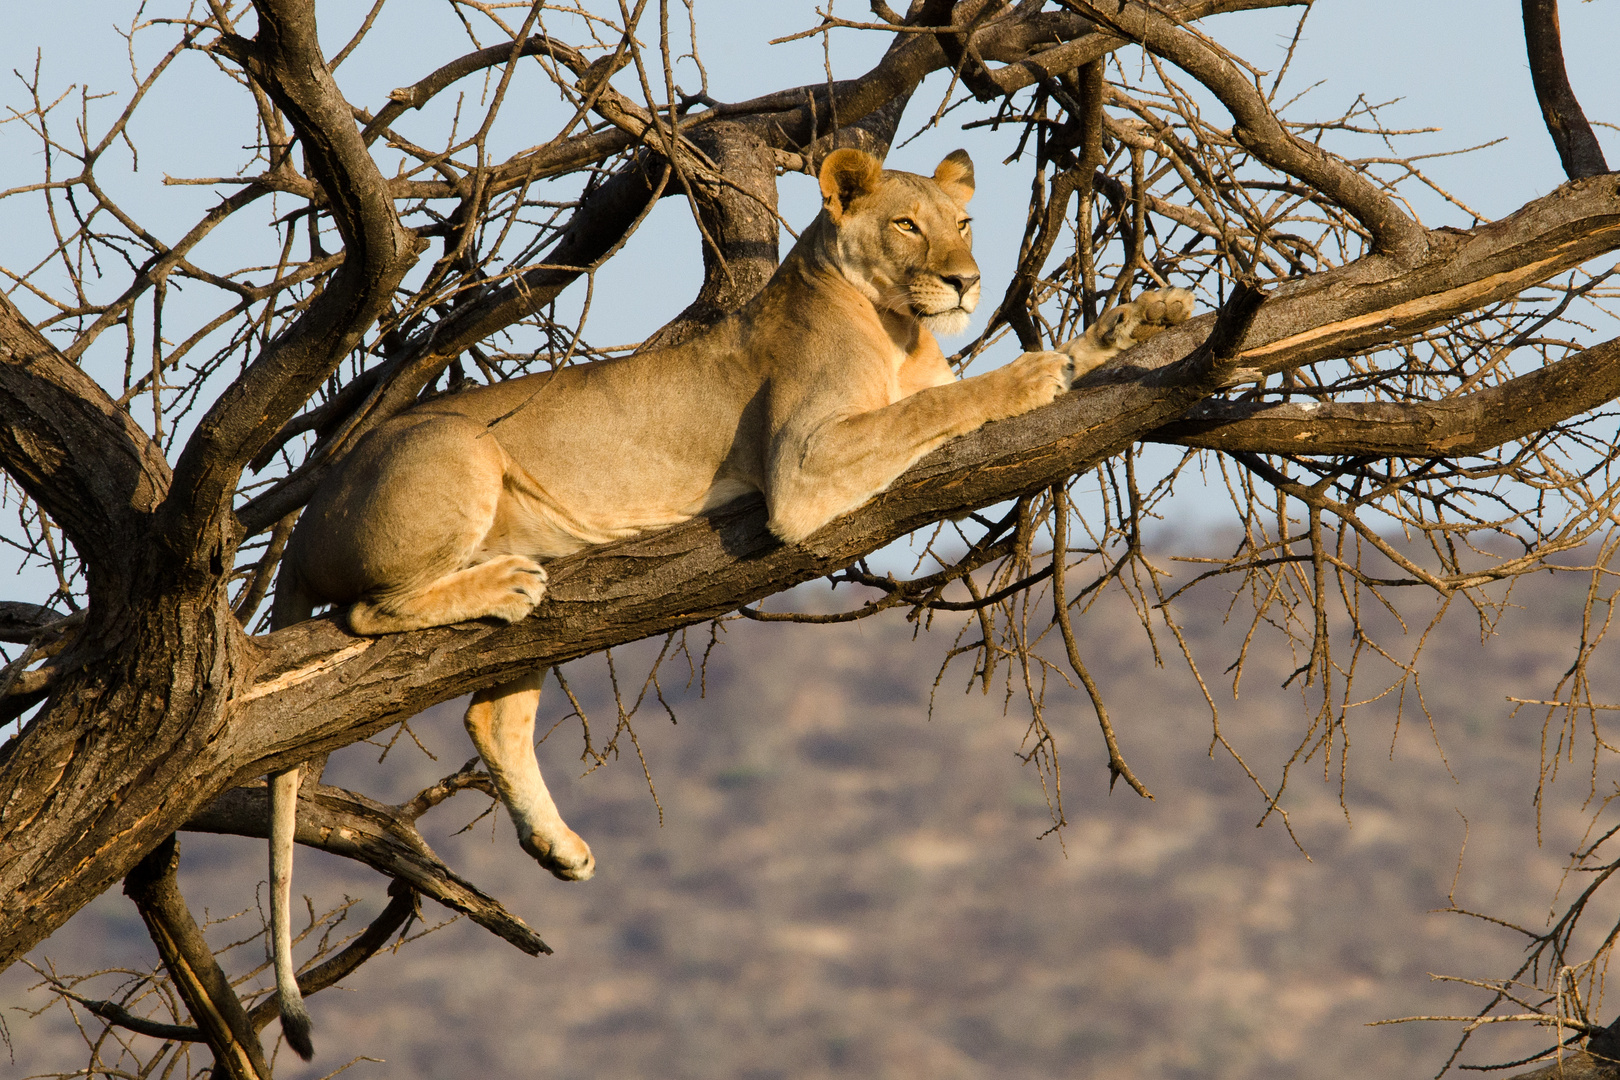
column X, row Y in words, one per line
column 517, row 583
column 568, row 857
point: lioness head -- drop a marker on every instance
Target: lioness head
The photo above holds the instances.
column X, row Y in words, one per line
column 905, row 240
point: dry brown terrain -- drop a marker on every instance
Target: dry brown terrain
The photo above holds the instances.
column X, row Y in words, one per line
column 843, row 886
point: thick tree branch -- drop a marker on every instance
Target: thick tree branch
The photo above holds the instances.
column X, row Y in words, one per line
column 21, row 622
column 191, row 964
column 70, row 446
column 1577, row 146
column 1455, row 427
column 1376, row 300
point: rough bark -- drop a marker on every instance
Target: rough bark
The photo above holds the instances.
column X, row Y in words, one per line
column 740, row 228
column 1455, row 427
column 67, row 443
column 146, row 694
column 1574, row 1065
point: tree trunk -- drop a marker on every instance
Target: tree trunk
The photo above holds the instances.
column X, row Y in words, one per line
column 129, row 746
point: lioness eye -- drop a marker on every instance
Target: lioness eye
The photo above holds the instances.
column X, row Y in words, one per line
column 962, row 226
column 905, row 224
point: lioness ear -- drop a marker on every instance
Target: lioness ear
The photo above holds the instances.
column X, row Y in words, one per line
column 846, row 175
column 955, row 176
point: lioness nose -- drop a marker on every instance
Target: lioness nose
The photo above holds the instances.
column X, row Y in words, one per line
column 962, row 282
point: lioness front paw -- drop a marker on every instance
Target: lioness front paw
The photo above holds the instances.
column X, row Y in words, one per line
column 1128, row 324
column 1036, row 379
column 1142, row 318
column 515, row 584
column 567, row 856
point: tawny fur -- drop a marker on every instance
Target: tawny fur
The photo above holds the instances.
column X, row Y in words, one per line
column 818, row 393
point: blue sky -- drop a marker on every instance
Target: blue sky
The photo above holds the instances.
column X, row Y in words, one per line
column 1458, row 67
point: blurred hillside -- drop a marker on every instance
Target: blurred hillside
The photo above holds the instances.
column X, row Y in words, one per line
column 844, row 886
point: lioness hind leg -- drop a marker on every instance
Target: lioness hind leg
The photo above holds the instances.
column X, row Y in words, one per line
column 1128, row 324
column 506, row 587
column 501, row 723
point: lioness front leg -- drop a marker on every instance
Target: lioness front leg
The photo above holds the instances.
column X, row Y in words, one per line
column 501, row 723
column 1128, row 324
column 841, row 462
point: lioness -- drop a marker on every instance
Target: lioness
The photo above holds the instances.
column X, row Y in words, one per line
column 818, row 393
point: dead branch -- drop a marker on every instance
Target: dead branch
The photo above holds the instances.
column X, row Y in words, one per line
column 383, row 837
column 1578, row 147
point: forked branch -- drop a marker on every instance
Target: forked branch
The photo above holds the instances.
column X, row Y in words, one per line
column 1257, row 128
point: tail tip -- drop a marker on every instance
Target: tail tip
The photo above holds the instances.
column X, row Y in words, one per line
column 295, row 1028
